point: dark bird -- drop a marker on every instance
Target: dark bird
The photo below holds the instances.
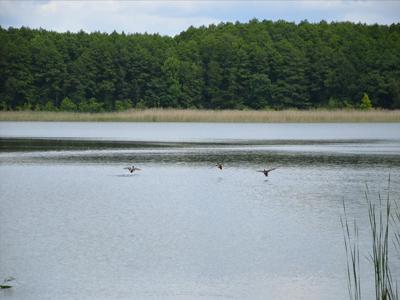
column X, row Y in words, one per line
column 132, row 169
column 266, row 171
column 5, row 284
column 219, row 166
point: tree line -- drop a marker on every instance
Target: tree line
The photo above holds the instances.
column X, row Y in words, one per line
column 254, row 65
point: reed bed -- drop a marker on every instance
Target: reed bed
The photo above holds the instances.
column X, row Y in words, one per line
column 180, row 115
column 352, row 256
column 384, row 222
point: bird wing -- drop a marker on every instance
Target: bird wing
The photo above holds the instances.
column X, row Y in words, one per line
column 270, row 169
column 260, row 171
column 137, row 169
column 127, row 168
column 8, row 279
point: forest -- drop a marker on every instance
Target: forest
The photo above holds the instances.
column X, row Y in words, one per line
column 253, row 65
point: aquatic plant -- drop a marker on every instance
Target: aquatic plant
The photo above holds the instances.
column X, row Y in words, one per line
column 396, row 221
column 191, row 115
column 352, row 256
column 379, row 219
column 383, row 219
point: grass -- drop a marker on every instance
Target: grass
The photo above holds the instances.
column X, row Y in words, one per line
column 379, row 221
column 180, row 115
column 352, row 256
column 383, row 219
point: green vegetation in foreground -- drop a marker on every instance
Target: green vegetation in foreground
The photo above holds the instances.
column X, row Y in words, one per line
column 176, row 115
column 384, row 220
column 253, row 65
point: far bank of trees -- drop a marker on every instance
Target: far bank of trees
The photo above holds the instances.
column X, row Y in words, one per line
column 256, row 65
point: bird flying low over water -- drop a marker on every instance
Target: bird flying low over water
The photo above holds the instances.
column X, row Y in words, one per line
column 5, row 284
column 219, row 166
column 132, row 169
column 265, row 171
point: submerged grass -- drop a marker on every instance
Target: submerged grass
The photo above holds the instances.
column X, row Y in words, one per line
column 396, row 220
column 352, row 256
column 383, row 220
column 180, row 115
column 379, row 221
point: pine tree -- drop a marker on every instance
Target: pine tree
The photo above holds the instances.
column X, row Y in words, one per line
column 365, row 102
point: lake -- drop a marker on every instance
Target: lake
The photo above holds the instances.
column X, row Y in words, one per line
column 74, row 224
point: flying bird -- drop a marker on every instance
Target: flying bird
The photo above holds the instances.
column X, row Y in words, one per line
column 132, row 169
column 266, row 171
column 219, row 166
column 5, row 284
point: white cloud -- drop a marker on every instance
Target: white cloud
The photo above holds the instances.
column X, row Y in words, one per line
column 171, row 17
column 382, row 12
column 138, row 16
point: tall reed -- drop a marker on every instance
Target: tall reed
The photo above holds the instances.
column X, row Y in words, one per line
column 352, row 256
column 192, row 115
column 379, row 219
column 396, row 221
column 383, row 218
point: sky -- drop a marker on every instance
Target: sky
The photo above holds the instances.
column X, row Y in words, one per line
column 172, row 17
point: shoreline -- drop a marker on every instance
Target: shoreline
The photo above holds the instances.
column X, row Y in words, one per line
column 212, row 116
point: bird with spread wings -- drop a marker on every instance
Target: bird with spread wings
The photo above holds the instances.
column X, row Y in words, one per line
column 132, row 169
column 265, row 171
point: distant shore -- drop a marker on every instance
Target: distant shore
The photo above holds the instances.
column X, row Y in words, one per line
column 226, row 116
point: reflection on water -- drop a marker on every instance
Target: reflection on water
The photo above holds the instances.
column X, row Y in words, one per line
column 126, row 175
column 300, row 153
column 75, row 225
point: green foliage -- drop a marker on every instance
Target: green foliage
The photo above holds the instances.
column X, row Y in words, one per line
column 3, row 105
column 333, row 103
column 68, row 105
column 141, row 104
column 91, row 106
column 243, row 65
column 365, row 102
column 384, row 220
column 49, row 106
column 24, row 106
column 347, row 104
column 121, row 105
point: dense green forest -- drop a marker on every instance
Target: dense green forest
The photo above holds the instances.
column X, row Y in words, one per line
column 255, row 65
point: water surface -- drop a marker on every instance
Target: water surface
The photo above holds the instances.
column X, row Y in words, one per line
column 75, row 225
column 210, row 132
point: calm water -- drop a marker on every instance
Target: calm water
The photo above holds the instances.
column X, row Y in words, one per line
column 75, row 225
